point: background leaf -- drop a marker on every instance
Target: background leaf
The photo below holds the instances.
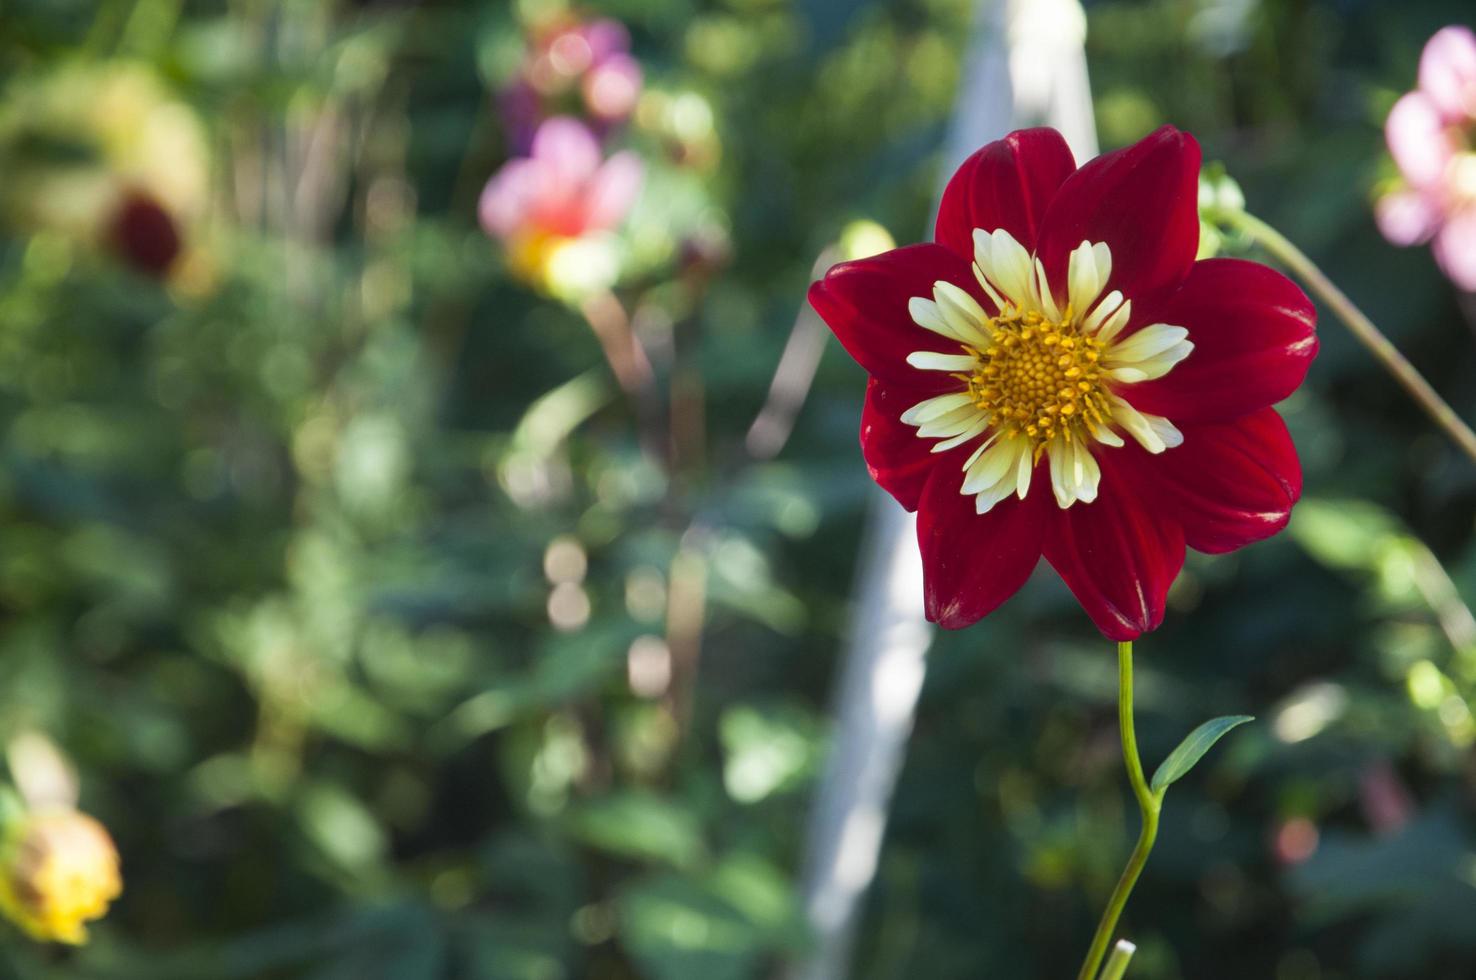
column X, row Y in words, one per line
column 390, row 637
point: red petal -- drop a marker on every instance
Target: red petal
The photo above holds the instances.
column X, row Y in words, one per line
column 1143, row 201
column 898, row 460
column 1007, row 184
column 1119, row 554
column 973, row 562
column 1252, row 331
column 865, row 304
column 1232, row 484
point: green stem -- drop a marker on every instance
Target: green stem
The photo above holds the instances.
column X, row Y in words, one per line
column 1149, row 804
column 1117, row 963
column 1363, row 328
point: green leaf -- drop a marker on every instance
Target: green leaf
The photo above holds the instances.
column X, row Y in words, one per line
column 643, row 826
column 1193, row 748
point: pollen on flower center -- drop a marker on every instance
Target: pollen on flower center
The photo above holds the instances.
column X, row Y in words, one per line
column 1040, row 376
column 1040, row 379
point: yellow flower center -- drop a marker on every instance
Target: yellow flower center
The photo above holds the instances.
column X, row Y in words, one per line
column 1463, row 177
column 530, row 253
column 1040, row 379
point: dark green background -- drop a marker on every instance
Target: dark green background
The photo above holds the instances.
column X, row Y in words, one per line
column 266, row 572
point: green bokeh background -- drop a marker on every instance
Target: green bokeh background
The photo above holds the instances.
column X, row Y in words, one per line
column 275, row 534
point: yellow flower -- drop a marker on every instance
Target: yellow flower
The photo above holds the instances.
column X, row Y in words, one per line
column 58, row 870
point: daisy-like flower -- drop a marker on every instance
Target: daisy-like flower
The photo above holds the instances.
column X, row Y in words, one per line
column 553, row 209
column 1056, row 375
column 58, row 871
column 1432, row 137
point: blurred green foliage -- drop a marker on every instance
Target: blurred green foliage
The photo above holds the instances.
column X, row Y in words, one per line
column 387, row 646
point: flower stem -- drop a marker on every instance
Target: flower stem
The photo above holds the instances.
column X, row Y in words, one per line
column 1363, row 328
column 1117, row 963
column 1149, row 804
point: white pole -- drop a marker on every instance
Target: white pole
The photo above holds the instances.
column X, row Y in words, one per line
column 1025, row 66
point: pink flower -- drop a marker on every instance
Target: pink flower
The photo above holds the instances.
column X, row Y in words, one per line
column 611, row 87
column 1431, row 133
column 584, row 66
column 563, row 193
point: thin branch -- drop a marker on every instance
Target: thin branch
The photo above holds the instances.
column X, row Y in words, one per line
column 1362, row 327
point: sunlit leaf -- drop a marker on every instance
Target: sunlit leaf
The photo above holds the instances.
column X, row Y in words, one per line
column 641, row 825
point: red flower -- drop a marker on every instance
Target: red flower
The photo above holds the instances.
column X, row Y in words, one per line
column 1057, row 375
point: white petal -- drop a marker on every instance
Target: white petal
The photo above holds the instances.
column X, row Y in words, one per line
column 1167, row 431
column 1103, row 255
column 1153, row 432
column 1109, row 305
column 985, row 500
column 979, row 450
column 1088, row 474
column 927, row 360
column 1086, row 274
column 1023, row 468
column 989, row 290
column 1147, row 342
column 980, row 423
column 949, row 424
column 993, row 465
column 1074, row 471
column 1041, row 291
column 1056, row 452
column 925, row 314
column 962, row 312
column 936, row 406
column 1004, row 469
column 1150, row 353
column 1108, row 438
column 1005, row 263
column 1115, row 323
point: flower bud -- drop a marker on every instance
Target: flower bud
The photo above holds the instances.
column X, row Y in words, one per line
column 1219, row 193
column 58, row 870
column 612, row 88
column 864, row 238
column 144, row 234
